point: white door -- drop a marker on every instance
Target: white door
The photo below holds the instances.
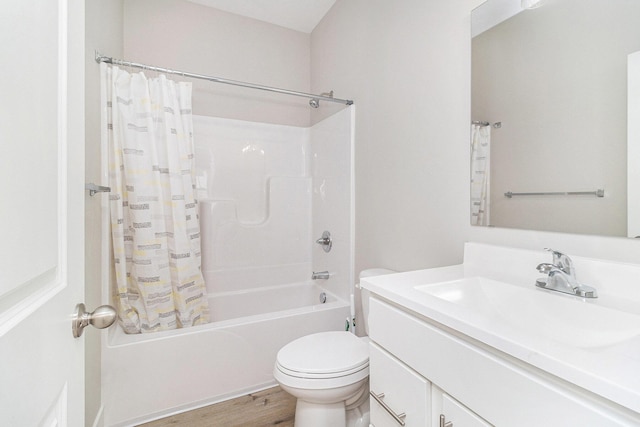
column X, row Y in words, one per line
column 41, row 211
column 633, row 145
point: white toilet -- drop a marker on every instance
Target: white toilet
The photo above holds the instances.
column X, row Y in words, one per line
column 328, row 373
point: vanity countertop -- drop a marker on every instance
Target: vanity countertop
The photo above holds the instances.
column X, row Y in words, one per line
column 610, row 369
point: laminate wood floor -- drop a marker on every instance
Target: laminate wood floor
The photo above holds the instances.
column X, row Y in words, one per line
column 271, row 407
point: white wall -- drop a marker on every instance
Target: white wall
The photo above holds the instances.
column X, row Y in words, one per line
column 406, row 65
column 103, row 32
column 184, row 36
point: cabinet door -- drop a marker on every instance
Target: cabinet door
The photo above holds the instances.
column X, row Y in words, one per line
column 459, row 415
column 404, row 393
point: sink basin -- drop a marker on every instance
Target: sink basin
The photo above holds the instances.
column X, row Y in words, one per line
column 567, row 319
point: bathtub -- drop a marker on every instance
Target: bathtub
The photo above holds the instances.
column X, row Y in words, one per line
column 150, row 376
column 257, row 250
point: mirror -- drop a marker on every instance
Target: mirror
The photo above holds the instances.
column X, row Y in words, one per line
column 552, row 88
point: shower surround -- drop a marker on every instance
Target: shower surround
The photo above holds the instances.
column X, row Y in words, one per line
column 266, row 193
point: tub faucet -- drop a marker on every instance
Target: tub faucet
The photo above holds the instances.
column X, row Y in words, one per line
column 320, row 275
column 561, row 277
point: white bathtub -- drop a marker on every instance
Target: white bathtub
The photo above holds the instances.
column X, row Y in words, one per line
column 150, row 376
column 257, row 239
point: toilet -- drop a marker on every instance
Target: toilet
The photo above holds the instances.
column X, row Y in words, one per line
column 328, row 373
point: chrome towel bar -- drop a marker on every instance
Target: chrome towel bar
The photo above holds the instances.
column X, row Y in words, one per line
column 598, row 193
column 93, row 188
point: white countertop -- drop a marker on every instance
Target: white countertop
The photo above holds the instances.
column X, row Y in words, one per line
column 611, row 371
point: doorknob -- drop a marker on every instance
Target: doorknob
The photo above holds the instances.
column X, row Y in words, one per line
column 102, row 317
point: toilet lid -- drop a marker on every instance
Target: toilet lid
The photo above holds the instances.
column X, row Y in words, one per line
column 324, row 353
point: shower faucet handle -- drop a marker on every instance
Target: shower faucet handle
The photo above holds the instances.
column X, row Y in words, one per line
column 325, row 241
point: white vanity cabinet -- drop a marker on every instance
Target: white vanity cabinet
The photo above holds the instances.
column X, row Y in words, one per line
column 448, row 410
column 399, row 394
column 426, row 370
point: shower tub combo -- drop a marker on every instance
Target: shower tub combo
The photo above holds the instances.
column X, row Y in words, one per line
column 275, row 190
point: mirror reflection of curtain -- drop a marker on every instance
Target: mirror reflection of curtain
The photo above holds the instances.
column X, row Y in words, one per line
column 480, row 161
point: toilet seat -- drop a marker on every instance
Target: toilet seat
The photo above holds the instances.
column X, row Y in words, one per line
column 323, row 360
column 321, row 376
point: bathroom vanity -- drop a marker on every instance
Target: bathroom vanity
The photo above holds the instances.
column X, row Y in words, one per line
column 478, row 344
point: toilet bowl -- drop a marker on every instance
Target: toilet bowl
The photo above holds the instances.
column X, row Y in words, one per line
column 328, row 373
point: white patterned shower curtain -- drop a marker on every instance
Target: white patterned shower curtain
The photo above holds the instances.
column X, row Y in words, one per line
column 480, row 176
column 154, row 213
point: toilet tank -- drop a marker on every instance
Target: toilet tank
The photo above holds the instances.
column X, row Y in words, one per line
column 364, row 293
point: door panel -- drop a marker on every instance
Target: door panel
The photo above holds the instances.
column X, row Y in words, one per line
column 30, row 130
column 41, row 211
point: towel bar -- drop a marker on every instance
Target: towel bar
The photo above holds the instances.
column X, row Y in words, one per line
column 598, row 193
column 93, row 188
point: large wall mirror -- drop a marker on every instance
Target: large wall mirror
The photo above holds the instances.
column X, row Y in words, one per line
column 556, row 113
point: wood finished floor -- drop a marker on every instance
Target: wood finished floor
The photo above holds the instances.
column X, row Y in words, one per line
column 271, row 407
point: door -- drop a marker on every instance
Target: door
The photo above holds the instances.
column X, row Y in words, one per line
column 633, row 145
column 41, row 211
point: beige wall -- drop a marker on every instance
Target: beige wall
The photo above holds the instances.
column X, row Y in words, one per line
column 181, row 35
column 406, row 66
column 103, row 32
column 560, row 92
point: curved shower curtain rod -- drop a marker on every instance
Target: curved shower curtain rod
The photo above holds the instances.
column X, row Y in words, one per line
column 101, row 58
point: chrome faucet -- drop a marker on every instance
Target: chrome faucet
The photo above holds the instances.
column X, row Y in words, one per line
column 320, row 275
column 561, row 277
column 325, row 241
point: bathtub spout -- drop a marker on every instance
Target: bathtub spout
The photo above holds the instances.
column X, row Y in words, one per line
column 320, row 275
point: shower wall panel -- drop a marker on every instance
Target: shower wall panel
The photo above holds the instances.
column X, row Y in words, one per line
column 332, row 175
column 254, row 189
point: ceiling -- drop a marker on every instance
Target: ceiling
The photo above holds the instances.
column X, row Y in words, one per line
column 299, row 15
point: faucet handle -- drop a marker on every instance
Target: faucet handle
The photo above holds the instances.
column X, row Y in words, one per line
column 562, row 261
column 325, row 241
column 545, row 267
column 555, row 253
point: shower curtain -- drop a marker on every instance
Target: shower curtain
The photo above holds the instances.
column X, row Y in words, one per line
column 480, row 176
column 154, row 214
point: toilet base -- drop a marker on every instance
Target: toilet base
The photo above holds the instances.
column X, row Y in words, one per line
column 320, row 415
column 359, row 416
column 335, row 414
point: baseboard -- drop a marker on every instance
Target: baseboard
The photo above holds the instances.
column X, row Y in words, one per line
column 190, row 406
